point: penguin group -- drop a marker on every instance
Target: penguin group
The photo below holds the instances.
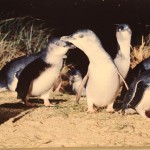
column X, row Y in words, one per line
column 39, row 74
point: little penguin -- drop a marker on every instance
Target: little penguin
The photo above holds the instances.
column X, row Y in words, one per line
column 10, row 72
column 122, row 59
column 138, row 95
column 43, row 74
column 103, row 80
column 133, row 73
column 75, row 80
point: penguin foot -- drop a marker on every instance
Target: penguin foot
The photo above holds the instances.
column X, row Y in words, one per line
column 130, row 111
column 110, row 110
column 28, row 104
column 49, row 104
column 91, row 110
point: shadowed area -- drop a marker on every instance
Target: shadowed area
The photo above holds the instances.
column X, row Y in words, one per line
column 11, row 110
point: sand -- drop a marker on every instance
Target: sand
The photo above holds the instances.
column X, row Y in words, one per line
column 67, row 125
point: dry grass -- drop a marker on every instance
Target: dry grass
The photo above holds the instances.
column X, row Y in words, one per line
column 20, row 36
column 141, row 52
column 26, row 35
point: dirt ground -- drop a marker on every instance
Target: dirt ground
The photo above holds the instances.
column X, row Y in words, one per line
column 66, row 125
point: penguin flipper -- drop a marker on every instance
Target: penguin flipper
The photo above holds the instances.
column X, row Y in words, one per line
column 28, row 74
column 80, row 89
column 18, row 72
column 57, row 83
column 141, row 87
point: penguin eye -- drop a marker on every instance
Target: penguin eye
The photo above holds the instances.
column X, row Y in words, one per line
column 81, row 36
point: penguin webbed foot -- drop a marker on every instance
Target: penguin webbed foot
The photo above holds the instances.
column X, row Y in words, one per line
column 47, row 103
column 110, row 108
column 130, row 111
column 28, row 104
column 92, row 109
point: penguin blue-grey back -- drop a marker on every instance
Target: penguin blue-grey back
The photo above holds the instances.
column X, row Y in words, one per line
column 138, row 94
column 11, row 71
column 133, row 73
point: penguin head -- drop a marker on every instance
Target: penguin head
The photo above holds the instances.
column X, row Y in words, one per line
column 75, row 72
column 123, row 33
column 75, row 75
column 83, row 39
column 59, row 47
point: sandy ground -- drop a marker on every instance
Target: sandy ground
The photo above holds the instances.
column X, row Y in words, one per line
column 67, row 125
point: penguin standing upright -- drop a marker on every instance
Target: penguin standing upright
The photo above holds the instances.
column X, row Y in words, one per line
column 10, row 72
column 122, row 59
column 103, row 80
column 38, row 78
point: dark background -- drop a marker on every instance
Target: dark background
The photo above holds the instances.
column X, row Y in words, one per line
column 101, row 16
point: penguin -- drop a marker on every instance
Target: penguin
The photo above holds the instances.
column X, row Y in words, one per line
column 141, row 67
column 122, row 59
column 65, row 74
column 42, row 76
column 75, row 80
column 138, row 95
column 133, row 73
column 103, row 80
column 10, row 72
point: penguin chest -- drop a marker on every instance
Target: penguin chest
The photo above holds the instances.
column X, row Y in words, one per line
column 123, row 65
column 103, row 84
column 12, row 85
column 144, row 103
column 76, row 85
column 44, row 81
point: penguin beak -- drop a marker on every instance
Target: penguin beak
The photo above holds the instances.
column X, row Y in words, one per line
column 67, row 39
column 123, row 27
column 70, row 45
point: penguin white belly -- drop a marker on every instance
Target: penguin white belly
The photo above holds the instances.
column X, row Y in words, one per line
column 76, row 85
column 123, row 65
column 3, row 89
column 12, row 86
column 44, row 82
column 102, row 84
column 145, row 101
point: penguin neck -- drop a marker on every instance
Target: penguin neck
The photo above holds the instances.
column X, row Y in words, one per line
column 124, row 49
column 96, row 54
column 53, row 59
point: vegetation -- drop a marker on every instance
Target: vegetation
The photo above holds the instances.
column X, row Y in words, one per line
column 26, row 35
column 22, row 36
column 139, row 53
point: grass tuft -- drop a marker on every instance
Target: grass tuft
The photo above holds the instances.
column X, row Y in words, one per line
column 22, row 36
column 139, row 53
